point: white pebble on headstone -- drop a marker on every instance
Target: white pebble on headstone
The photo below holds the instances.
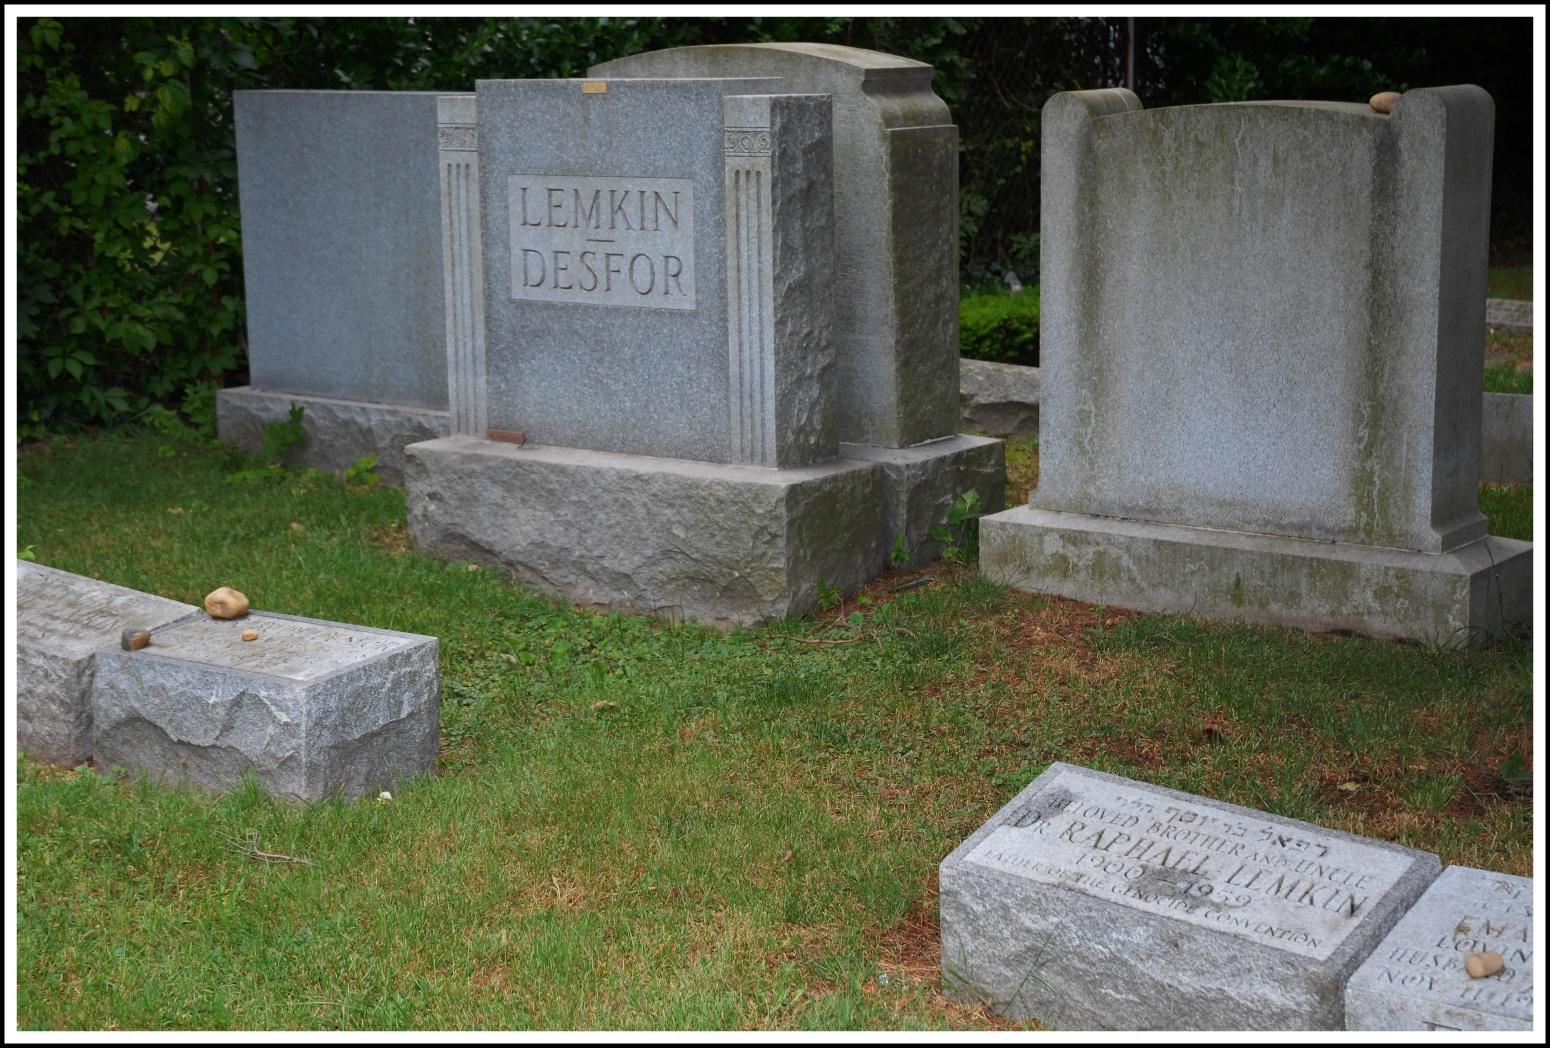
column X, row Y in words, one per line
column 1418, row 977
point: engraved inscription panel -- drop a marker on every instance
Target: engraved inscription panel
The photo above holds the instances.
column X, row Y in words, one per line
column 68, row 611
column 284, row 648
column 1464, row 911
column 1264, row 881
column 603, row 241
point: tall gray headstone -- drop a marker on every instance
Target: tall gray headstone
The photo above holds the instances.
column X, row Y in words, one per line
column 1417, row 980
column 1096, row 902
column 1261, row 365
column 341, row 235
column 895, row 222
column 642, row 359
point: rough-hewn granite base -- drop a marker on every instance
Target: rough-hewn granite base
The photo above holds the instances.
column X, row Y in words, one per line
column 921, row 482
column 313, row 709
column 62, row 621
column 716, row 543
column 1460, row 597
column 1507, row 438
column 999, row 399
column 1096, row 902
column 338, row 431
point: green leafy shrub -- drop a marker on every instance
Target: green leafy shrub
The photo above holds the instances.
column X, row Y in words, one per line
column 999, row 326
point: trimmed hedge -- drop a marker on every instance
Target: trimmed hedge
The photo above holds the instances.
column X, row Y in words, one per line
column 996, row 325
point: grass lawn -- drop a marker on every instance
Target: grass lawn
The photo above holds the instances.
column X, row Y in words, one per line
column 1510, row 282
column 640, row 824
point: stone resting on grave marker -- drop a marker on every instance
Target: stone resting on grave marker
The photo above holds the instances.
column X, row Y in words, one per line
column 1415, row 979
column 641, row 280
column 1092, row 901
column 1261, row 366
column 341, row 260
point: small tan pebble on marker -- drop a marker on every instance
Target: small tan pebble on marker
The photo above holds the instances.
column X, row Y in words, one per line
column 1384, row 101
column 250, row 634
column 134, row 639
column 1479, row 965
column 226, row 603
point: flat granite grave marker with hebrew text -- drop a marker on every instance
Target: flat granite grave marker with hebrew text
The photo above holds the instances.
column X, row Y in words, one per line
column 1415, row 979
column 1096, row 902
column 313, row 709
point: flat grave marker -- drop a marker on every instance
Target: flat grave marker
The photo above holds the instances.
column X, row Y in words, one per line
column 1415, row 979
column 1138, row 907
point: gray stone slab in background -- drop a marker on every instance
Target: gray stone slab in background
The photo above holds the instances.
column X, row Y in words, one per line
column 341, row 244
column 338, row 432
column 1415, row 979
column 313, row 709
column 1507, row 438
column 1509, row 314
column 62, row 620
column 1096, row 902
column 718, row 543
column 999, row 399
column 896, row 223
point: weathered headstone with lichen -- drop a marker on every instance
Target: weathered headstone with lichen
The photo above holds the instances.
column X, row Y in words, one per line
column 1261, row 369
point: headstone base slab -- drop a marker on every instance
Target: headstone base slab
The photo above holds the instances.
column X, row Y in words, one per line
column 1462, row 597
column 920, row 484
column 338, row 431
column 722, row 544
column 369, row 722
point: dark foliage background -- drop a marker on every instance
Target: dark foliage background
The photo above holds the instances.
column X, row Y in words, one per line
column 129, row 267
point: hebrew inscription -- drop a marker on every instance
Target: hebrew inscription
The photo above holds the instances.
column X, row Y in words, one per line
column 1303, row 892
column 602, row 241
